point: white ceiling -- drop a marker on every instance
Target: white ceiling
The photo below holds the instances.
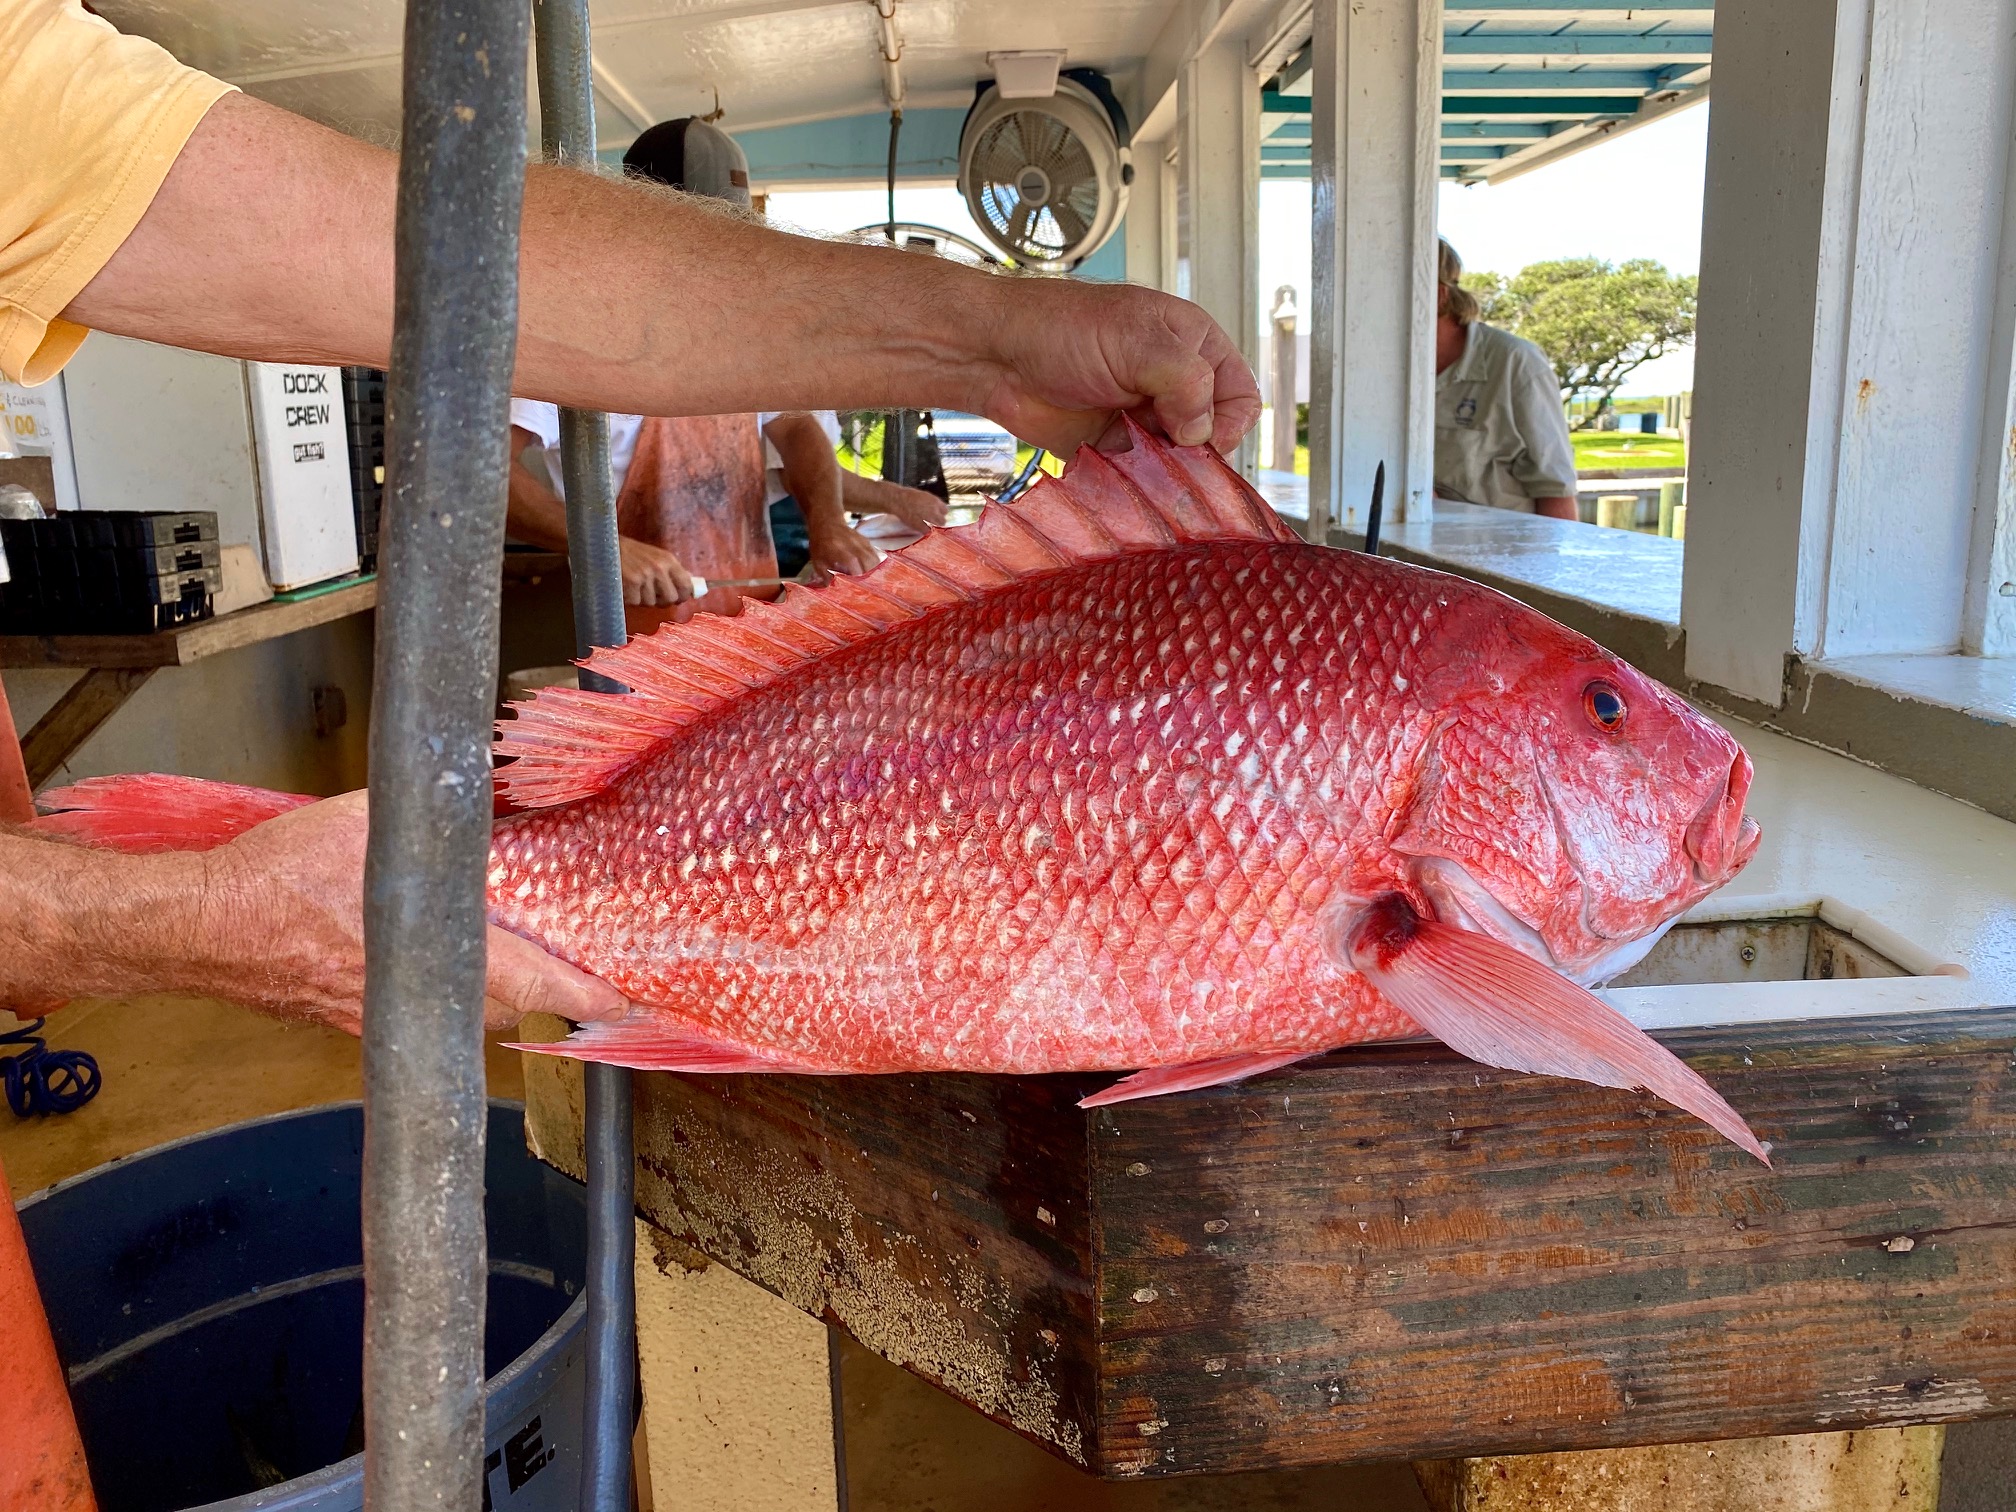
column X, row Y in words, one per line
column 773, row 61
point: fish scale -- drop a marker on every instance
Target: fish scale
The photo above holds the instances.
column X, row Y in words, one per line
column 884, row 858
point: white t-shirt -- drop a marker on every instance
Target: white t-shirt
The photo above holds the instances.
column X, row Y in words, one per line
column 543, row 420
column 1500, row 435
column 773, row 475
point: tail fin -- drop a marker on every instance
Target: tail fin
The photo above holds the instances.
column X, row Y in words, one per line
column 1499, row 1006
column 153, row 812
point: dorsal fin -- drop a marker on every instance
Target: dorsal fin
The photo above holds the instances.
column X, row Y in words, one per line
column 569, row 743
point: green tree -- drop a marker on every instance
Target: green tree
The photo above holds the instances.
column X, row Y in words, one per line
column 1597, row 322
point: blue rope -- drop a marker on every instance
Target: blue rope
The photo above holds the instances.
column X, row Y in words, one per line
column 41, row 1080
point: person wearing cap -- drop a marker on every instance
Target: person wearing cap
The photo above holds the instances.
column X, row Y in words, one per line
column 1501, row 436
column 689, row 489
column 153, row 201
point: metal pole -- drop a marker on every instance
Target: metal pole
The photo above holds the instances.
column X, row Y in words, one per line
column 567, row 126
column 461, row 180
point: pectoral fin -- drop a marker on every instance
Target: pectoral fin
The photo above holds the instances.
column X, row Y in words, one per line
column 1494, row 1004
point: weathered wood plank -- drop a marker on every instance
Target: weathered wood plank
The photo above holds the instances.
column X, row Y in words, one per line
column 188, row 643
column 1393, row 1253
column 75, row 717
column 1405, row 1251
column 942, row 1221
column 1871, row 1470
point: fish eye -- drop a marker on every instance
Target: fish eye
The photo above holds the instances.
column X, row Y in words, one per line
column 1604, row 706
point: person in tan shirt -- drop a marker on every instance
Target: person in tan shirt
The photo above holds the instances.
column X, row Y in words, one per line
column 1501, row 437
column 147, row 199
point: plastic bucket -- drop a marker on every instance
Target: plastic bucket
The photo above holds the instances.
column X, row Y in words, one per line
column 207, row 1299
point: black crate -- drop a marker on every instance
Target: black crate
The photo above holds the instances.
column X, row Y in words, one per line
column 364, row 409
column 96, row 572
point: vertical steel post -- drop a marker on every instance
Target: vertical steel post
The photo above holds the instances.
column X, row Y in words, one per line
column 567, row 127
column 461, row 180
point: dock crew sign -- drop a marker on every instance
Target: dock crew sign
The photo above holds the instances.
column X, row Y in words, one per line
column 307, row 517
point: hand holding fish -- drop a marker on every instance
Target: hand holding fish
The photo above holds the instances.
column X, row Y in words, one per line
column 271, row 918
column 1071, row 354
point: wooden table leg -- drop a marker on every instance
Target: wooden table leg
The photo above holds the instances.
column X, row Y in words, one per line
column 75, row 717
column 17, row 798
column 1870, row 1468
column 740, row 1412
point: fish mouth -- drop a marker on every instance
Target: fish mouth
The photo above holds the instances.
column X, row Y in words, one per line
column 1721, row 838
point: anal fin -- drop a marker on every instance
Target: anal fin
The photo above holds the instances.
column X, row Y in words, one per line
column 650, row 1040
column 1159, row 1081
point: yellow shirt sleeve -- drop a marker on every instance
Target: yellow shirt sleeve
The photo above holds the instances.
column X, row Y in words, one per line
column 93, row 120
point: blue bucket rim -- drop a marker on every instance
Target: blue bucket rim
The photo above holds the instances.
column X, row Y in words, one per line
column 514, row 1380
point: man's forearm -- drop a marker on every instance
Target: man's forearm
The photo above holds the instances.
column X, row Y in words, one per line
column 80, row 922
column 811, row 470
column 533, row 513
column 620, row 284
column 638, row 300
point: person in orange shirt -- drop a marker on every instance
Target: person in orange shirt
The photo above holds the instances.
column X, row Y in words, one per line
column 690, row 490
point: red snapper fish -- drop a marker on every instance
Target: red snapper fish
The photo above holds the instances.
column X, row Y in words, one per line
column 1125, row 776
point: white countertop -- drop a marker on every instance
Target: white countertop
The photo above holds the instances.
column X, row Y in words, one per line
column 1924, row 867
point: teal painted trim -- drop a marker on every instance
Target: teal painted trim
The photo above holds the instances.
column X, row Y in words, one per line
column 1540, row 81
column 1285, row 171
column 854, row 149
column 1556, row 107
column 1574, row 44
column 1561, row 107
column 1495, row 131
column 1291, row 131
column 1284, row 152
column 1471, row 154
column 1615, row 12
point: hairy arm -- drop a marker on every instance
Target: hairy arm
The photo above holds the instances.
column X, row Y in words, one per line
column 913, row 506
column 812, row 476
column 640, row 300
column 273, row 920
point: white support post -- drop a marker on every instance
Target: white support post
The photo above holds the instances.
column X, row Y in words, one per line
column 1990, row 626
column 1143, row 226
column 1854, row 372
column 1375, row 161
column 1218, row 196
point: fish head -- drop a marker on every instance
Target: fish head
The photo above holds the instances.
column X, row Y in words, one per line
column 1566, row 803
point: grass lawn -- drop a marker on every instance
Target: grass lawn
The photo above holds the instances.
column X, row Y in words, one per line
column 1613, row 449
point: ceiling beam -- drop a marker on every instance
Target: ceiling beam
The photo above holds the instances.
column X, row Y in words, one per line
column 621, row 96
column 1495, row 131
column 1577, row 44
column 1632, row 81
column 1534, row 9
column 1580, row 136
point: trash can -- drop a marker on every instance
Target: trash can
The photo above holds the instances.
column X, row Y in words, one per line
column 207, row 1299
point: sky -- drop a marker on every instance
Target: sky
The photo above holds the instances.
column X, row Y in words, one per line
column 1637, row 196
